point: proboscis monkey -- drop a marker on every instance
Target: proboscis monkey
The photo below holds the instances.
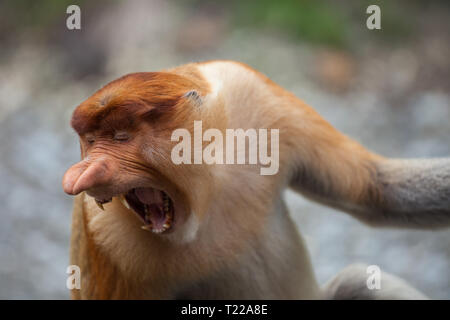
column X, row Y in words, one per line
column 144, row 227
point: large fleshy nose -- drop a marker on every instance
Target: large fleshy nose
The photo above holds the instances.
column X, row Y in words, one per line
column 87, row 175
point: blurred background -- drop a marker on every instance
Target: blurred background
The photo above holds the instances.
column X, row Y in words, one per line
column 388, row 88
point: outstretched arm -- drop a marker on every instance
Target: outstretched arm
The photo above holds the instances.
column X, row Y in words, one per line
column 335, row 170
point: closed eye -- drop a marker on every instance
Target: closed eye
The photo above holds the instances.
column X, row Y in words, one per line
column 121, row 136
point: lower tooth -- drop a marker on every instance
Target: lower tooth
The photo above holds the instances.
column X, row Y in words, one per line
column 99, row 204
column 147, row 214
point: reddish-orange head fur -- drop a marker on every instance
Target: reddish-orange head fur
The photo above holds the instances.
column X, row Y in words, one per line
column 124, row 102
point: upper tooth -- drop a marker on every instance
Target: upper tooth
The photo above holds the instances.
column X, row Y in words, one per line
column 99, row 204
column 124, row 201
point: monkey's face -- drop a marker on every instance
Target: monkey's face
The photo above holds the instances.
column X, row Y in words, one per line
column 125, row 139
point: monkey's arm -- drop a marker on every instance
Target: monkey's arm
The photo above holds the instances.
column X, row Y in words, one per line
column 415, row 192
column 327, row 166
column 100, row 279
column 335, row 170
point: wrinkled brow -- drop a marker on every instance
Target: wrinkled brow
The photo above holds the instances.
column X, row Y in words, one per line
column 111, row 118
column 117, row 117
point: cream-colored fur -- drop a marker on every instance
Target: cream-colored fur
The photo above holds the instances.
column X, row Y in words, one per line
column 239, row 241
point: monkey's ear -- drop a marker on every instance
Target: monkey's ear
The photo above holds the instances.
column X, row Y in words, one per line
column 193, row 96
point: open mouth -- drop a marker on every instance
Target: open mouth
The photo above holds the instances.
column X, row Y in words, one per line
column 152, row 206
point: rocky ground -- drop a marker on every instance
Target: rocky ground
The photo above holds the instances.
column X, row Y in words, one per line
column 394, row 99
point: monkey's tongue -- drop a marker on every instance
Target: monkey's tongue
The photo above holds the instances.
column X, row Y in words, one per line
column 156, row 216
column 153, row 200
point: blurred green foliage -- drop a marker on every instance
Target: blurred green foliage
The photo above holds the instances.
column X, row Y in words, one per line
column 26, row 13
column 33, row 19
column 324, row 22
column 310, row 20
